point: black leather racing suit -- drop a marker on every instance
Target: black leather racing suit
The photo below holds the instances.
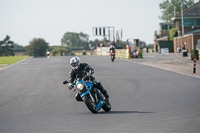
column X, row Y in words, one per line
column 80, row 73
column 112, row 49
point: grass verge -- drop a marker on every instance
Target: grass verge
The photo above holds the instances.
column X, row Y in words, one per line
column 10, row 60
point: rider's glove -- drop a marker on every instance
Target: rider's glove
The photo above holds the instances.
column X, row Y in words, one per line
column 70, row 86
column 90, row 72
column 65, row 82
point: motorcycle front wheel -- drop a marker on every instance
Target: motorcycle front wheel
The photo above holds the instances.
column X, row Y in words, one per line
column 112, row 59
column 90, row 105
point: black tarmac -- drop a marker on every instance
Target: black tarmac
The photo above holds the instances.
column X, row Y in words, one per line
column 144, row 99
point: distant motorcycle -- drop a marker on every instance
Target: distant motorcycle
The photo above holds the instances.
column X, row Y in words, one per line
column 48, row 54
column 92, row 96
column 112, row 55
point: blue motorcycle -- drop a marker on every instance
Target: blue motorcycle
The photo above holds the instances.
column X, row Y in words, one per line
column 92, row 96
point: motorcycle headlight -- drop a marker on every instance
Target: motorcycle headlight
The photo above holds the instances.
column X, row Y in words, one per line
column 80, row 86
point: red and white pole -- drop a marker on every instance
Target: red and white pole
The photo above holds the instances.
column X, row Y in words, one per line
column 195, row 59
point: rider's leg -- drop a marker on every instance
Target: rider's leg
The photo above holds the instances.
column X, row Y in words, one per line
column 101, row 88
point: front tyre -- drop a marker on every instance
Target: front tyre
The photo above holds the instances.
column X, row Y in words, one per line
column 112, row 58
column 90, row 105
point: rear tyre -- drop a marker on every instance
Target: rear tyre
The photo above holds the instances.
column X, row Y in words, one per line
column 107, row 106
column 90, row 105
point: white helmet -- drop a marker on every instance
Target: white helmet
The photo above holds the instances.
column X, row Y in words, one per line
column 75, row 62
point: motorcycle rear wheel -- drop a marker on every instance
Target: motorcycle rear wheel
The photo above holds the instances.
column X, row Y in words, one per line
column 91, row 106
column 107, row 106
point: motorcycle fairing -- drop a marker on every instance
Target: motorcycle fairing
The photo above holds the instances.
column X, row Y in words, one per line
column 85, row 93
column 88, row 84
column 100, row 104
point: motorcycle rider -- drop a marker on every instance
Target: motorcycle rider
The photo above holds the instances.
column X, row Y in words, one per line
column 78, row 71
column 112, row 48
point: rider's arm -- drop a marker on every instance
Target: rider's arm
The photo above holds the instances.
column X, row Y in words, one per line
column 88, row 68
column 72, row 76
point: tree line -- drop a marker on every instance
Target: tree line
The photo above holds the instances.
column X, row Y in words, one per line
column 70, row 42
column 38, row 46
column 80, row 41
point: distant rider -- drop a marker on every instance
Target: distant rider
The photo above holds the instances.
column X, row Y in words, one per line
column 48, row 53
column 78, row 71
column 112, row 48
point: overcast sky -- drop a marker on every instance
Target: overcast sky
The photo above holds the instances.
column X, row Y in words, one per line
column 24, row 20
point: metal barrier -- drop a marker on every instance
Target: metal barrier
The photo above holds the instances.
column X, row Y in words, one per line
column 122, row 53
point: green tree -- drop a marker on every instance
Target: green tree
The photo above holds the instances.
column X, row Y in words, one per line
column 18, row 48
column 94, row 44
column 76, row 40
column 59, row 50
column 167, row 7
column 6, row 47
column 37, row 47
column 173, row 33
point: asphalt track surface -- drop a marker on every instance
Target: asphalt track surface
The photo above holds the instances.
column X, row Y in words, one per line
column 144, row 99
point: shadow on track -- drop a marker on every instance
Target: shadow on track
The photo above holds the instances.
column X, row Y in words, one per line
column 122, row 112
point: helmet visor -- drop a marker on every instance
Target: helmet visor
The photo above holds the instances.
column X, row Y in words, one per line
column 74, row 64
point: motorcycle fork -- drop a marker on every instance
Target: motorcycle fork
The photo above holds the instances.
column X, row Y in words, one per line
column 94, row 93
column 92, row 98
